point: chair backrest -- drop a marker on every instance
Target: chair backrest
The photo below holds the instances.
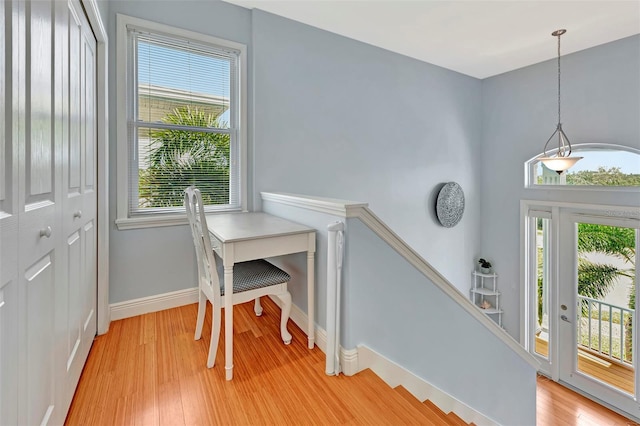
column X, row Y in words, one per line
column 208, row 280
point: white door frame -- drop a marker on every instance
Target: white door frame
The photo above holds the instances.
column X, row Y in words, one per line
column 102, row 95
column 567, row 360
column 529, row 294
column 558, row 211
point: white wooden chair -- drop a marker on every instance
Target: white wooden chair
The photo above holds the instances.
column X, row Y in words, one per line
column 251, row 279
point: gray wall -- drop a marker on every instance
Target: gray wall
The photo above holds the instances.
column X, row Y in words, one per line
column 331, row 117
column 337, row 118
column 334, row 117
column 600, row 103
column 147, row 262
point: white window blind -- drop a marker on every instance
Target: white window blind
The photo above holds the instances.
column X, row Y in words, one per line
column 182, row 123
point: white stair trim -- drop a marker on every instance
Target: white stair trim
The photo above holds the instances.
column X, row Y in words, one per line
column 158, row 302
column 395, row 375
column 353, row 209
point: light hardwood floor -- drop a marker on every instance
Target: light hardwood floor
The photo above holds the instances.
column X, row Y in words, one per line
column 611, row 372
column 148, row 370
column 557, row 405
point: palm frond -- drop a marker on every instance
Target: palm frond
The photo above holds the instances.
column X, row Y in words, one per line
column 595, row 280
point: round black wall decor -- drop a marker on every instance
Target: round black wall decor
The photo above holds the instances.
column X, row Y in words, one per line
column 450, row 204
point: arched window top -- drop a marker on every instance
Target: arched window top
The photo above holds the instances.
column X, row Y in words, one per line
column 603, row 165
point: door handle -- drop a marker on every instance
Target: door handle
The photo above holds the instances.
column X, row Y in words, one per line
column 564, row 318
column 77, row 214
column 45, row 232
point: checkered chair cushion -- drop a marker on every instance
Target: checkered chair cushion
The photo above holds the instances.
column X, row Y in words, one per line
column 251, row 275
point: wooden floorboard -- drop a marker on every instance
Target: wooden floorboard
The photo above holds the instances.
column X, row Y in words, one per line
column 558, row 405
column 149, row 370
column 611, row 372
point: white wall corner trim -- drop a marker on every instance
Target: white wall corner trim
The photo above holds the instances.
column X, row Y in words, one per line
column 395, row 375
column 159, row 302
column 348, row 357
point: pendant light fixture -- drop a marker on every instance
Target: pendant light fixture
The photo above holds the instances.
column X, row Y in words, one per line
column 562, row 160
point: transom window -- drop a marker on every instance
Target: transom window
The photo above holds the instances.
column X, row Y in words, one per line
column 183, row 111
column 602, row 166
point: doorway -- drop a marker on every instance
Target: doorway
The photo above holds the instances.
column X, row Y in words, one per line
column 581, row 282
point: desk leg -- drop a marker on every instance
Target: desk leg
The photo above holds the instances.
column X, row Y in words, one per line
column 311, row 335
column 228, row 320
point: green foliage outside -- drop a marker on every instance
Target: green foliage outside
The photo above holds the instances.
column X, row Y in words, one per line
column 603, row 176
column 180, row 158
column 595, row 280
column 612, row 176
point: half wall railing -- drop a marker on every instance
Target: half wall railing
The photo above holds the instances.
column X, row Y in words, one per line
column 404, row 320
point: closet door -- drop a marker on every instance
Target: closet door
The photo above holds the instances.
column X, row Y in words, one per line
column 48, row 252
column 39, row 207
column 8, row 230
column 76, row 298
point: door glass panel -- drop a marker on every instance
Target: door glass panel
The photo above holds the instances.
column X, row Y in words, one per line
column 542, row 287
column 606, row 302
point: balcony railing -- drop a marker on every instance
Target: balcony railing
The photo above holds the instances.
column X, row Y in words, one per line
column 606, row 329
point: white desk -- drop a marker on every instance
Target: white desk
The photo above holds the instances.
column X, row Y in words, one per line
column 238, row 237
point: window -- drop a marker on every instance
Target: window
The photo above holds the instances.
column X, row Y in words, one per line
column 602, row 166
column 184, row 113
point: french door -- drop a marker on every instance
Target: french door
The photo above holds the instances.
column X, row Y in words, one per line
column 581, row 283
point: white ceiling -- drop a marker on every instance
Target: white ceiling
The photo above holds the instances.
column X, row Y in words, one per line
column 475, row 37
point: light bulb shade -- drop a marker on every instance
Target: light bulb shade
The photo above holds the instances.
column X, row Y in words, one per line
column 559, row 164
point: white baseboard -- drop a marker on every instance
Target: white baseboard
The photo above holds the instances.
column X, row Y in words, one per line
column 395, row 375
column 159, row 302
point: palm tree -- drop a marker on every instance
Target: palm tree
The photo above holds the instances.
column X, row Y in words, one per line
column 180, row 158
column 595, row 280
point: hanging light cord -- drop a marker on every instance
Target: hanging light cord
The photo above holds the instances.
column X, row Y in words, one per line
column 559, row 34
column 564, row 146
column 561, row 161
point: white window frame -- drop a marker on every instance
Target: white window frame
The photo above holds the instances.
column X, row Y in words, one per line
column 124, row 220
column 531, row 164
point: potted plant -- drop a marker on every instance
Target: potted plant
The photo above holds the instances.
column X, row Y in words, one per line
column 485, row 266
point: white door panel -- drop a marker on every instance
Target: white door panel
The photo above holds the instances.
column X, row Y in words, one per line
column 38, row 318
column 47, row 207
column 74, row 309
column 39, row 234
column 8, row 237
column 4, row 160
column 572, row 371
column 79, row 211
column 90, row 270
column 8, row 352
column 39, row 164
